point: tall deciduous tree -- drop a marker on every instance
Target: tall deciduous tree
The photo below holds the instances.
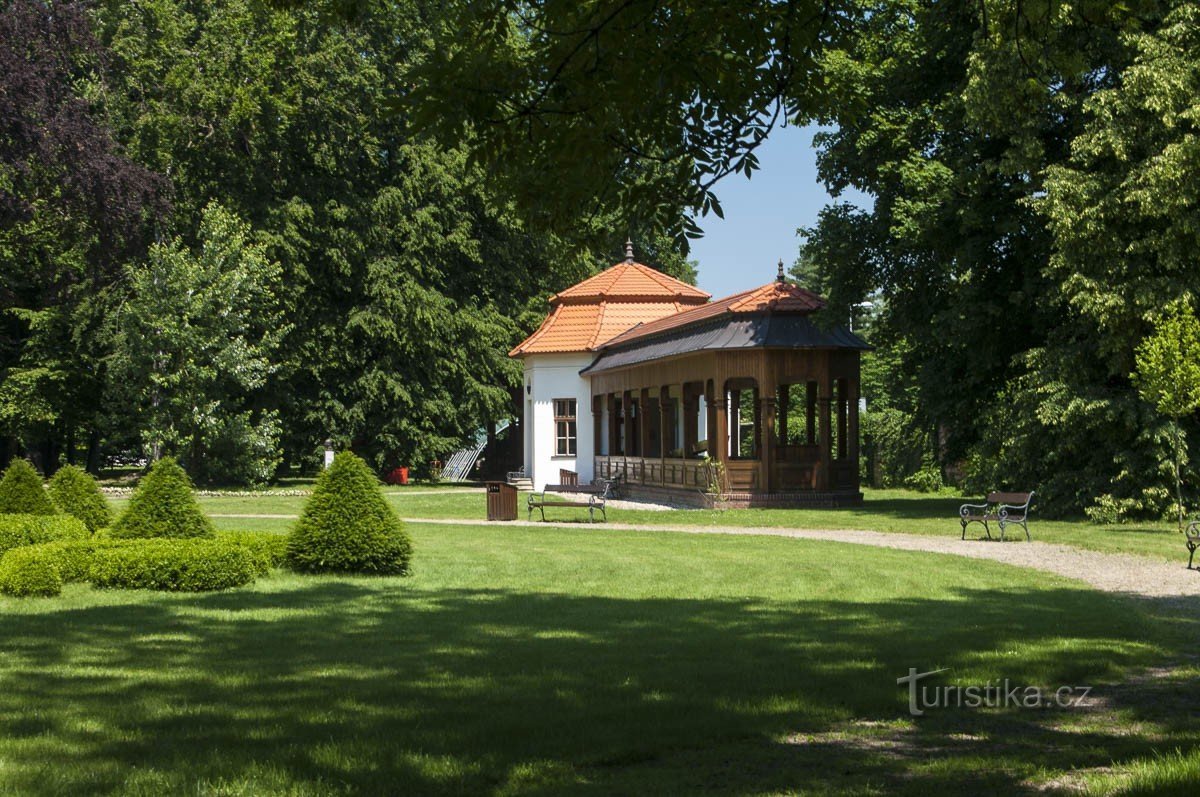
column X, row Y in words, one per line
column 583, row 107
column 73, row 207
column 1168, row 376
column 197, row 339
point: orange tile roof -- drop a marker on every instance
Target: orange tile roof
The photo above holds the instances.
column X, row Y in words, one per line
column 632, row 281
column 775, row 297
column 585, row 316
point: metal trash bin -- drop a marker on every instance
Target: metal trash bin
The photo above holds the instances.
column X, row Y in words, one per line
column 501, row 501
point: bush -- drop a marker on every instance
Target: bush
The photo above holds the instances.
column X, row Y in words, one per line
column 347, row 526
column 163, row 506
column 20, row 530
column 21, row 491
column 73, row 558
column 927, row 480
column 29, row 572
column 172, row 565
column 75, row 492
column 268, row 551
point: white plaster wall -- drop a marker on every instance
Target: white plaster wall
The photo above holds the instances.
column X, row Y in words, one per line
column 549, row 377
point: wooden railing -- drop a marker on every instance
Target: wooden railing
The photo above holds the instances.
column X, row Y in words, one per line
column 669, row 472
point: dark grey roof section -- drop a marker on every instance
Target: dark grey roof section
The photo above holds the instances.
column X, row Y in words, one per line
column 759, row 331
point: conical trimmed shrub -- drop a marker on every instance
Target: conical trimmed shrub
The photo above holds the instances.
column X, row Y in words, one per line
column 75, row 492
column 21, row 491
column 347, row 526
column 163, row 506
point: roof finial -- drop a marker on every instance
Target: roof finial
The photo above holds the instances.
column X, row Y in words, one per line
column 780, row 277
column 628, row 250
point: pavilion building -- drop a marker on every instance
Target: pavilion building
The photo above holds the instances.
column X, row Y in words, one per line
column 743, row 401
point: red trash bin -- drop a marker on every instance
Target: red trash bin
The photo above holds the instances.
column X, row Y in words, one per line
column 404, row 475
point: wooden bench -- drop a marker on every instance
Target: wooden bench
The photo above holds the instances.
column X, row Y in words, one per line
column 596, row 500
column 1192, row 536
column 1005, row 509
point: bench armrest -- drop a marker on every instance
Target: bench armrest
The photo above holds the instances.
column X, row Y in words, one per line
column 1009, row 507
column 964, row 509
column 1192, row 532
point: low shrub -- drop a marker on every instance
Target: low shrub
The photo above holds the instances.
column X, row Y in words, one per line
column 269, row 551
column 76, row 493
column 21, row 491
column 29, row 572
column 172, row 565
column 163, row 506
column 927, row 480
column 347, row 526
column 20, row 530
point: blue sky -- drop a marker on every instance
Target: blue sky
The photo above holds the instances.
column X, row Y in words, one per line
column 762, row 214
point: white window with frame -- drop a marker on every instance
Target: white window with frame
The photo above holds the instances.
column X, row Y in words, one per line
column 564, row 427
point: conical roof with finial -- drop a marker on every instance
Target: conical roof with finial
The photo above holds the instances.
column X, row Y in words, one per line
column 585, row 316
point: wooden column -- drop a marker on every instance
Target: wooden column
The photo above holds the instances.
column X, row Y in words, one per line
column 629, row 423
column 718, row 437
column 783, row 397
column 597, row 426
column 614, row 441
column 810, row 403
column 855, row 478
column 690, row 427
column 733, row 401
column 823, row 407
column 766, row 455
column 666, row 431
column 710, row 401
column 644, row 426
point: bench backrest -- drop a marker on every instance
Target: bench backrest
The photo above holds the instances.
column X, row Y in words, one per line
column 1012, row 499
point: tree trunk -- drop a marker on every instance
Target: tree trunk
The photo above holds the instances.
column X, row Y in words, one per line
column 1178, row 476
column 93, row 453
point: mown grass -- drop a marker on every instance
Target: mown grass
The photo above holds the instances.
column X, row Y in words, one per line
column 523, row 660
column 900, row 511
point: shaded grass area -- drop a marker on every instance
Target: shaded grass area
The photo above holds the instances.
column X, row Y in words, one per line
column 883, row 510
column 544, row 661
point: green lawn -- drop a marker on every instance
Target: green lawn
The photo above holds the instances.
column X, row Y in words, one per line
column 545, row 661
column 884, row 510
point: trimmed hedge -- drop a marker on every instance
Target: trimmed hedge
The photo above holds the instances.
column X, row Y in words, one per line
column 347, row 526
column 20, row 530
column 163, row 506
column 269, row 551
column 73, row 558
column 21, row 491
column 76, row 493
column 29, row 572
column 172, row 565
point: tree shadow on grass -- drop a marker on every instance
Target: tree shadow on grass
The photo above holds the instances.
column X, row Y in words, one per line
column 369, row 686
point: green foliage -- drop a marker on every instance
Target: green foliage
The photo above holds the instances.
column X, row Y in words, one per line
column 347, row 525
column 21, row 491
column 21, row 530
column 76, row 493
column 895, row 448
column 73, row 558
column 406, row 276
column 1168, row 376
column 557, row 97
column 198, row 336
column 163, row 505
column 926, row 480
column 1032, row 209
column 268, row 551
column 173, row 565
column 29, row 572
